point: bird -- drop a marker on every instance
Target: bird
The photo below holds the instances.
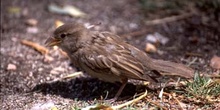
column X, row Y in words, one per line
column 108, row 57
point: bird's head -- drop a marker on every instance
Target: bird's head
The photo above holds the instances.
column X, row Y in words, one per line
column 68, row 36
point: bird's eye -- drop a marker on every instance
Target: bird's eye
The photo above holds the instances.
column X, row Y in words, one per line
column 63, row 36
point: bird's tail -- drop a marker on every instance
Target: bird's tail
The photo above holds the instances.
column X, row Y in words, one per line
column 171, row 68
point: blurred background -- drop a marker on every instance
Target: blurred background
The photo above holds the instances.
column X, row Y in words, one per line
column 183, row 31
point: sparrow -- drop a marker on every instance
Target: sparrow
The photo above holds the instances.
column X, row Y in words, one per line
column 108, row 57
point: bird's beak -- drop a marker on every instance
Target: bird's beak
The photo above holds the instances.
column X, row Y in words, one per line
column 52, row 42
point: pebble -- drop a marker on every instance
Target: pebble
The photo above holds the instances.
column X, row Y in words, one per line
column 150, row 48
column 133, row 26
column 11, row 67
column 14, row 39
column 54, row 72
column 40, row 69
column 31, row 22
column 151, row 38
column 215, row 62
column 48, row 58
column 32, row 30
column 57, row 70
column 157, row 37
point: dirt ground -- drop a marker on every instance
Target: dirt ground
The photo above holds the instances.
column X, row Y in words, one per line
column 33, row 83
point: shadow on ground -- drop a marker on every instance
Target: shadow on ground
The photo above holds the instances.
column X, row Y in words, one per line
column 88, row 89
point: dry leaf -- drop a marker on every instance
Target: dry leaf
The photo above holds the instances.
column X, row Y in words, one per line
column 146, row 83
column 215, row 62
column 67, row 9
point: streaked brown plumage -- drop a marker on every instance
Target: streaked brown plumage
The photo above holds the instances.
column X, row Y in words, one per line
column 106, row 56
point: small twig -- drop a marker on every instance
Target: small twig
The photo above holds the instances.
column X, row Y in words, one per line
column 36, row 46
column 194, row 54
column 136, row 33
column 181, row 104
column 129, row 102
column 93, row 25
column 169, row 19
column 173, row 96
column 73, row 75
column 193, row 61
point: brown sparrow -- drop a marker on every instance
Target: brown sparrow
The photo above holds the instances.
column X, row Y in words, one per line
column 106, row 56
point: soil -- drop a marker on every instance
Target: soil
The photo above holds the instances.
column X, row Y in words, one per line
column 32, row 84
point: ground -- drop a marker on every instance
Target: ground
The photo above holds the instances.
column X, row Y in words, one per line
column 192, row 40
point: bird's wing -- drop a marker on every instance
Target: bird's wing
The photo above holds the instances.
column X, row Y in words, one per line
column 157, row 65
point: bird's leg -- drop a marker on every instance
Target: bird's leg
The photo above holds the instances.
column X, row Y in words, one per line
column 124, row 82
